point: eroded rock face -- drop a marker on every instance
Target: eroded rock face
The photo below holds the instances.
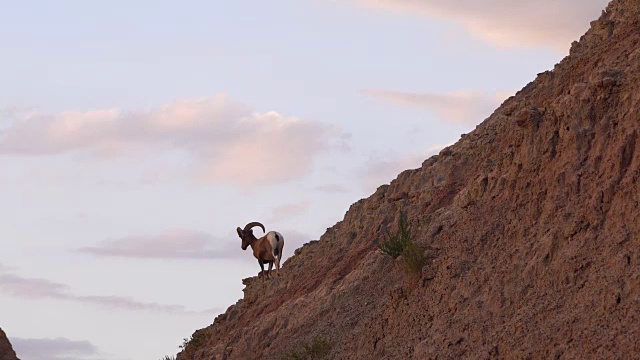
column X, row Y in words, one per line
column 6, row 351
column 533, row 218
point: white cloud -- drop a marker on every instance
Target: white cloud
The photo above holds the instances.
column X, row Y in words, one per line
column 508, row 23
column 54, row 349
column 226, row 141
column 172, row 244
column 462, row 107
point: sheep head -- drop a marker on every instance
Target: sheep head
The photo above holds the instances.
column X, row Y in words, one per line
column 246, row 234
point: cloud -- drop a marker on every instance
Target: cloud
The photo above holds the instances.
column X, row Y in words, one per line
column 382, row 170
column 4, row 268
column 331, row 188
column 54, row 349
column 462, row 107
column 173, row 244
column 290, row 210
column 31, row 288
column 293, row 239
column 38, row 288
column 225, row 141
column 508, row 23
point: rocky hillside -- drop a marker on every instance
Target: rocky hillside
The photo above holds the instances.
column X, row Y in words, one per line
column 531, row 223
column 6, row 351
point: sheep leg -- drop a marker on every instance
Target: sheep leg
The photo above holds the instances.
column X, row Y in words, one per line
column 261, row 270
column 277, row 266
column 270, row 267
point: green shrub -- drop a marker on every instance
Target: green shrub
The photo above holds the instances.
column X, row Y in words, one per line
column 318, row 348
column 395, row 244
column 413, row 258
column 293, row 355
column 194, row 341
column 403, row 244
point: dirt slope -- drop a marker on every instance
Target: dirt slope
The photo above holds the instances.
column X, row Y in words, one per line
column 6, row 351
column 533, row 216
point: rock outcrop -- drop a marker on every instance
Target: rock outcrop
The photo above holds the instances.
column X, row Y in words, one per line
column 6, row 351
column 532, row 220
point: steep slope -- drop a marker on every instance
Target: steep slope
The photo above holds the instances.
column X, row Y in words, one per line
column 6, row 351
column 532, row 218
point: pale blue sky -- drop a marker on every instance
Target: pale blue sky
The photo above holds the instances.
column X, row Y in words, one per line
column 359, row 91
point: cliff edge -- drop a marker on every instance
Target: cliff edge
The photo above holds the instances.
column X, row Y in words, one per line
column 529, row 222
column 6, row 351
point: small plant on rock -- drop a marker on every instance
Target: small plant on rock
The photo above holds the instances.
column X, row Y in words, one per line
column 403, row 244
column 413, row 258
column 194, row 341
column 318, row 348
column 395, row 244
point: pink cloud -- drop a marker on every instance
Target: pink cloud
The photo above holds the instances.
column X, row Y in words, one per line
column 462, row 107
column 38, row 288
column 31, row 287
column 507, row 23
column 226, row 141
column 290, row 210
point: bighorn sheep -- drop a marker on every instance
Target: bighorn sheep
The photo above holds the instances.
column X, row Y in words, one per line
column 267, row 249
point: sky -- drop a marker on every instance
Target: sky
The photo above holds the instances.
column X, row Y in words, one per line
column 136, row 136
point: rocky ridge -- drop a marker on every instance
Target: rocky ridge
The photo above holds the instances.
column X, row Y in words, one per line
column 6, row 350
column 532, row 221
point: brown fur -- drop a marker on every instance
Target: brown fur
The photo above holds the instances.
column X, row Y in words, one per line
column 261, row 250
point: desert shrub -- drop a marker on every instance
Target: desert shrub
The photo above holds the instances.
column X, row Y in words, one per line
column 318, row 348
column 167, row 357
column 403, row 244
column 185, row 343
column 413, row 258
column 394, row 244
column 194, row 341
column 293, row 355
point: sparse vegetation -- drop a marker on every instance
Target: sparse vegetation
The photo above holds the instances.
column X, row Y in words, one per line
column 185, row 343
column 395, row 244
column 413, row 258
column 318, row 348
column 167, row 357
column 403, row 244
column 196, row 340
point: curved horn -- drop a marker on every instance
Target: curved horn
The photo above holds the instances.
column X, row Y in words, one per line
column 252, row 224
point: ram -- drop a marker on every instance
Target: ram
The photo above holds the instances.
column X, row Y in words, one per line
column 267, row 249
